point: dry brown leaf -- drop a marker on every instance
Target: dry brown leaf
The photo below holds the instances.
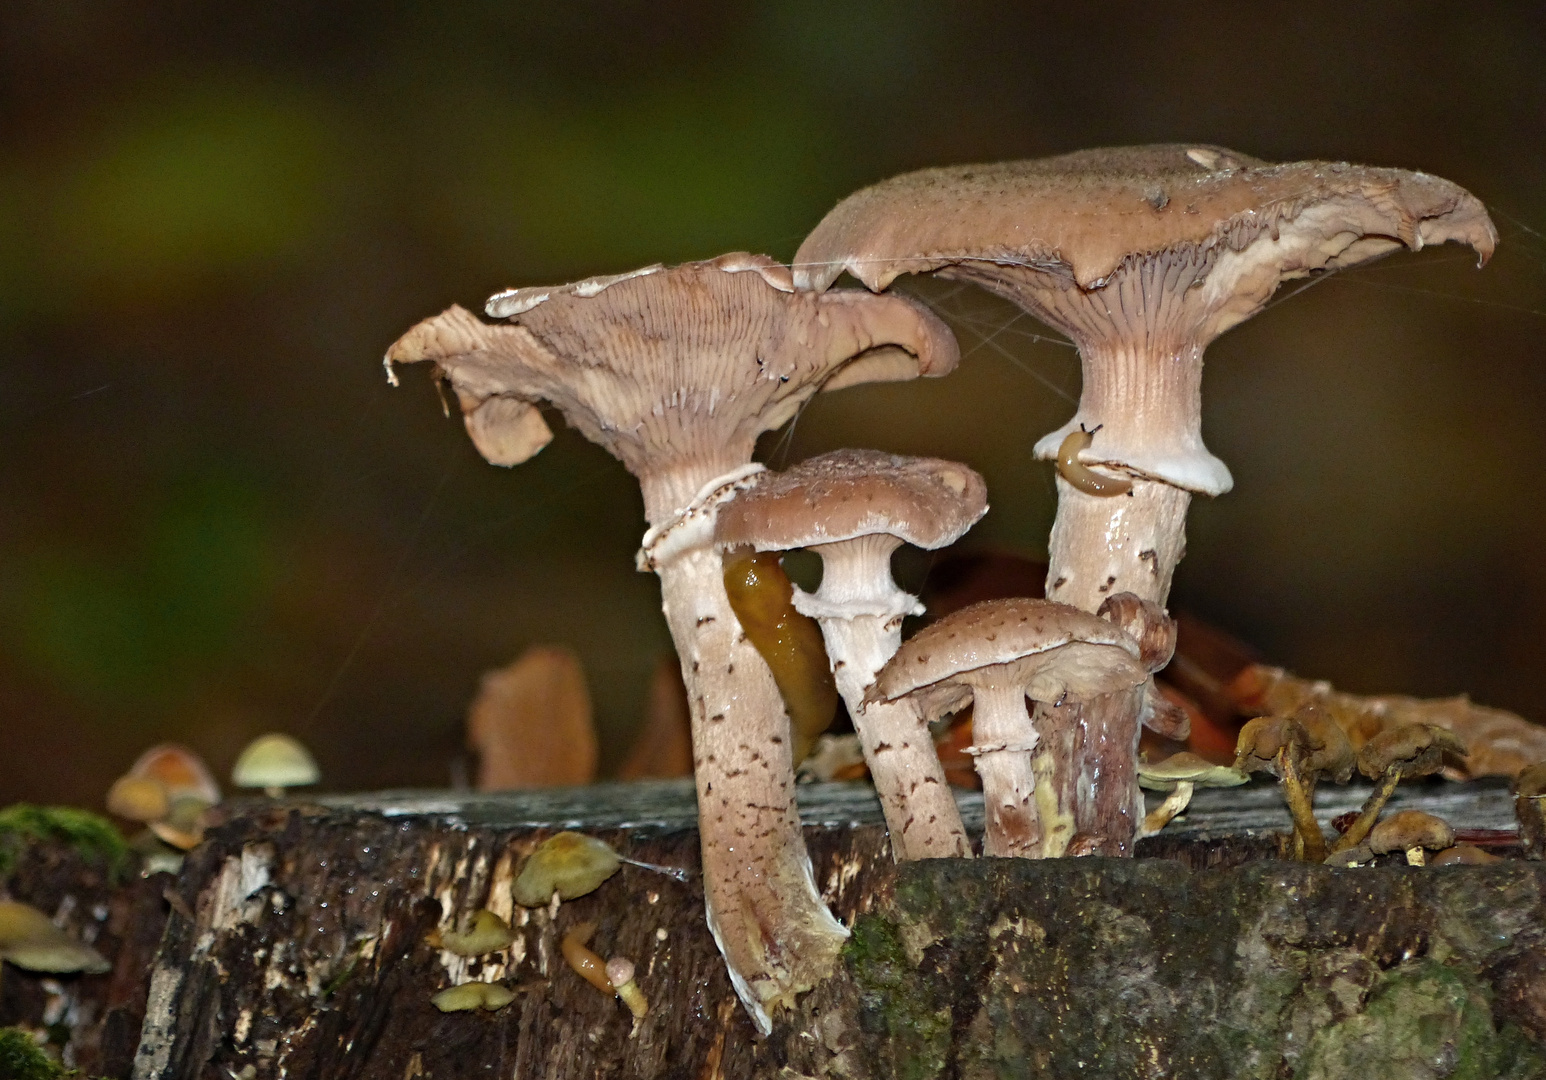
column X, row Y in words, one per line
column 531, row 723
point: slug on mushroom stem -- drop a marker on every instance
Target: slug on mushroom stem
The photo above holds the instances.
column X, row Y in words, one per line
column 1082, row 476
column 762, row 597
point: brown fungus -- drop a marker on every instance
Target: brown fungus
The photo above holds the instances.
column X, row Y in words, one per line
column 676, row 371
column 1393, row 755
column 1413, row 832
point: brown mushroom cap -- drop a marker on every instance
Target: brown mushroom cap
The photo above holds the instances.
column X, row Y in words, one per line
column 1147, row 624
column 1409, row 829
column 1187, row 767
column 1328, row 752
column 674, row 370
column 1411, row 749
column 1055, row 649
column 847, row 494
column 1531, row 782
column 1140, row 254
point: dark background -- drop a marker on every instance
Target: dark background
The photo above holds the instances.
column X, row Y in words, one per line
column 216, row 518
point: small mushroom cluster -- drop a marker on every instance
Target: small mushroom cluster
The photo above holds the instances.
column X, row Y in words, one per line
column 1142, row 255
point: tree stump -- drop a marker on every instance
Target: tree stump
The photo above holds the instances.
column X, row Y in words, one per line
column 296, row 946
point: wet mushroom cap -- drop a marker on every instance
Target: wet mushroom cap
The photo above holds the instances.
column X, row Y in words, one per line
column 1057, row 650
column 846, row 494
column 1187, row 767
column 1409, row 829
column 274, row 760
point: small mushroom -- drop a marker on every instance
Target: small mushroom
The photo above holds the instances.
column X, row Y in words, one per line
column 1394, row 755
column 274, row 762
column 1297, row 749
column 1180, row 774
column 467, row 997
column 996, row 654
column 570, row 864
column 620, row 972
column 168, row 788
column 32, row 942
column 488, row 933
column 138, row 798
column 1530, row 809
column 854, row 508
column 1411, row 831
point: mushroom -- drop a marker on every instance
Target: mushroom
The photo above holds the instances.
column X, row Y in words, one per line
column 1411, row 831
column 1298, row 750
column 32, row 942
column 1180, row 774
column 488, row 933
column 168, row 788
column 1394, row 755
column 274, row 762
column 1141, row 255
column 996, row 654
column 620, row 973
column 854, row 508
column 1530, row 809
column 676, row 371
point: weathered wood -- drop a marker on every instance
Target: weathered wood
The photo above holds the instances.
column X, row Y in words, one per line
column 305, row 953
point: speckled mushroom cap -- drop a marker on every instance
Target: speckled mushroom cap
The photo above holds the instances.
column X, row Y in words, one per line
column 1138, row 252
column 674, row 370
column 1053, row 649
column 1409, row 829
column 847, row 494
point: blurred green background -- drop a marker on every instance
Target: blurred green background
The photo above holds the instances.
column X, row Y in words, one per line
column 216, row 518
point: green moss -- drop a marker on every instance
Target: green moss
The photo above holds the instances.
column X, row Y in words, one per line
column 1422, row 1020
column 896, row 1002
column 22, row 1059
column 92, row 837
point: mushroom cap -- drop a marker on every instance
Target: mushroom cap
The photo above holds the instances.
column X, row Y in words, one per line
column 1409, row 829
column 179, row 770
column 847, row 494
column 468, row 996
column 30, row 940
column 488, row 933
column 138, row 798
column 274, row 760
column 1531, row 782
column 620, row 971
column 671, row 369
column 1146, row 623
column 1053, row 649
column 1257, row 745
column 1413, row 749
column 1187, row 767
column 1084, row 215
column 1327, row 750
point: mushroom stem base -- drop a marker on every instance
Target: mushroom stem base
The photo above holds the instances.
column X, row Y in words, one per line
column 1004, row 738
column 777, row 936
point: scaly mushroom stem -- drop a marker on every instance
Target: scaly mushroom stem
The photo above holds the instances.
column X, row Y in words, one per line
column 921, row 813
column 1166, row 812
column 1128, row 543
column 1004, row 738
column 1370, row 813
column 777, row 936
column 1298, row 799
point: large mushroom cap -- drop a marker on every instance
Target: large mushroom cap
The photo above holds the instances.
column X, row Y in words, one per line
column 671, row 369
column 1057, row 650
column 1083, row 215
column 852, row 493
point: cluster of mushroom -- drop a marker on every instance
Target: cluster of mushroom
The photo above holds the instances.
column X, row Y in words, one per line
column 1142, row 256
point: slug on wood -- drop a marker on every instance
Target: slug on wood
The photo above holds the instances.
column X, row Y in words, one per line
column 1082, row 476
column 585, row 963
column 761, row 595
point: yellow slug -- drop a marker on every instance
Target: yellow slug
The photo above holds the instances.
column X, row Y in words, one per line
column 585, row 963
column 1081, row 476
column 761, row 595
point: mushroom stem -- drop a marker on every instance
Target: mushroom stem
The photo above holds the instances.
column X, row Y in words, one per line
column 1298, row 799
column 1416, row 857
column 1166, row 812
column 921, row 813
column 1370, row 813
column 1103, row 546
column 1003, row 740
column 777, row 936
